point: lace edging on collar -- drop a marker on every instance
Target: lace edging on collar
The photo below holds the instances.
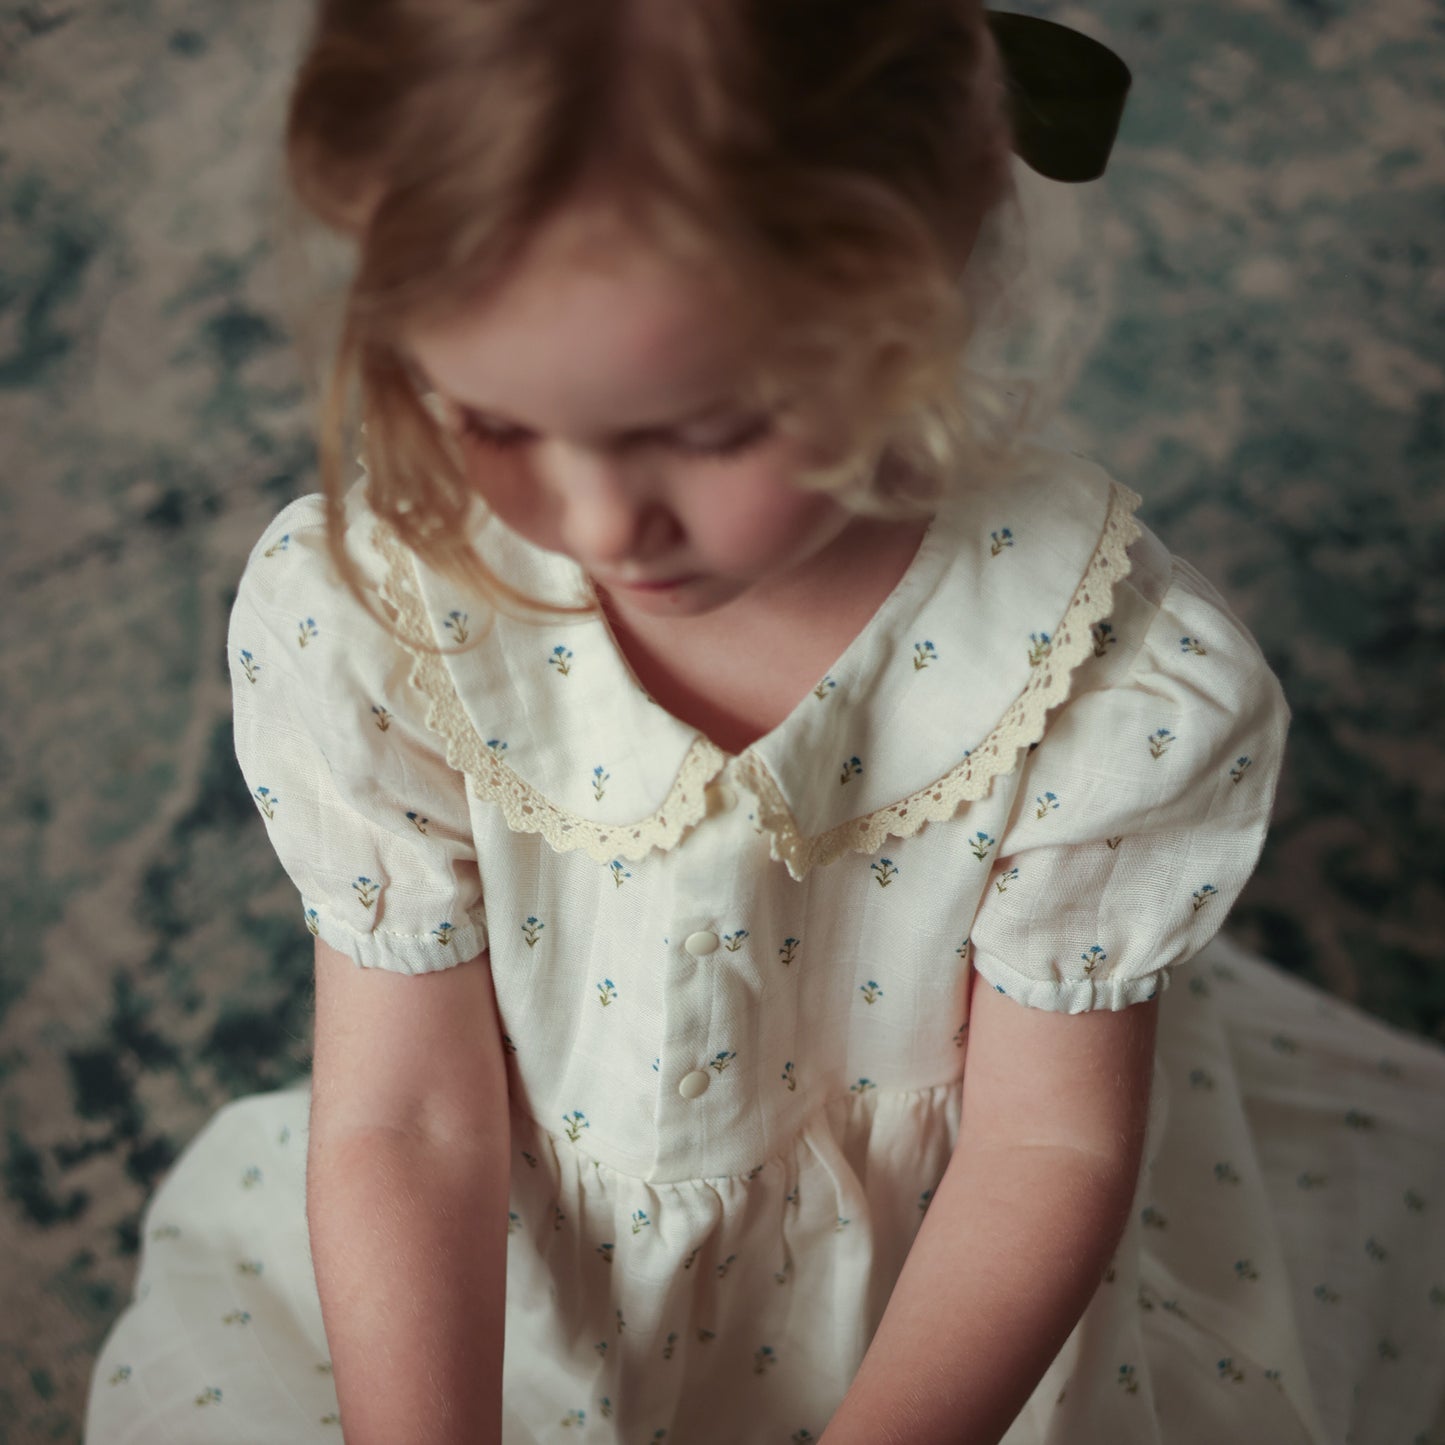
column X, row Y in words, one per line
column 526, row 810
column 1021, row 726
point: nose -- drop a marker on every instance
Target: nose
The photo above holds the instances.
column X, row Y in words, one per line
column 610, row 508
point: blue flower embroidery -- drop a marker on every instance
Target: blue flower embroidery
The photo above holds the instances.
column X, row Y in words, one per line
column 885, row 871
column 267, row 801
column 852, row 768
column 456, row 624
column 1241, row 766
column 981, row 844
column 1093, row 958
column 249, row 666
column 532, row 931
column 1203, row 895
column 443, row 934
column 366, row 891
column 1192, row 644
column 1047, row 803
column 1041, row 645
column 1159, row 741
column 561, row 659
column 600, row 778
column 999, row 540
column 307, row 632
column 923, row 654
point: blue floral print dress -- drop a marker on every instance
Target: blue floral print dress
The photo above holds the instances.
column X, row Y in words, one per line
column 734, row 994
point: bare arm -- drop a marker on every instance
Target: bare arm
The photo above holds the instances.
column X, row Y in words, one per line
column 407, row 1190
column 1019, row 1231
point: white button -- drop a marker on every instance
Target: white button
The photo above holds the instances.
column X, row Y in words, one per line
column 693, row 1084
column 700, row 943
column 720, row 799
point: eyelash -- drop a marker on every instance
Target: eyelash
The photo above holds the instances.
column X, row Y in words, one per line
column 749, row 437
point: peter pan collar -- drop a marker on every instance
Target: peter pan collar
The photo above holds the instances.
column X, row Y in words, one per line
column 941, row 692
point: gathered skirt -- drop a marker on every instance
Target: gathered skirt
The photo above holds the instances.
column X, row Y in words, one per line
column 1281, row 1278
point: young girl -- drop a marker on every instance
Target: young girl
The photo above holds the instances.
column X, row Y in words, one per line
column 752, row 800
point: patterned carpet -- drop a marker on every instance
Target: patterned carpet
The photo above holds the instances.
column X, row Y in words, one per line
column 1269, row 377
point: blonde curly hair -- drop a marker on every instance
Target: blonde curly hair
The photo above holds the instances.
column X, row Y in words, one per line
column 847, row 165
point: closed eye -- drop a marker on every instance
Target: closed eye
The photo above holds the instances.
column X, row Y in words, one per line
column 501, row 439
column 751, row 433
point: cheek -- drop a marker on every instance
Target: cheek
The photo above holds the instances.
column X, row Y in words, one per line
column 505, row 483
column 763, row 516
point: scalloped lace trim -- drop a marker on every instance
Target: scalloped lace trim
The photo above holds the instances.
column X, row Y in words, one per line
column 528, row 811
column 525, row 809
column 998, row 754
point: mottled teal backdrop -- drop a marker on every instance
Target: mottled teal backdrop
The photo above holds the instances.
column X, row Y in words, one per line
column 1271, row 378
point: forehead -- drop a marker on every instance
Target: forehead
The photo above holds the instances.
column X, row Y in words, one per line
column 592, row 330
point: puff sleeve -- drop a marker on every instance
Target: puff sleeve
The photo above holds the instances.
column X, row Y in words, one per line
column 367, row 818
column 1143, row 809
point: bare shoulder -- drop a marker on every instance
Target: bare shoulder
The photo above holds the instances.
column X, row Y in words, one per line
column 421, row 1053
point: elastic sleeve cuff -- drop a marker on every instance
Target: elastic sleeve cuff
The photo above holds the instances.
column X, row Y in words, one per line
column 448, row 944
column 1071, row 995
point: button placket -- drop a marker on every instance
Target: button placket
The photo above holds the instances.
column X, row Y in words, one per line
column 698, row 944
column 701, row 900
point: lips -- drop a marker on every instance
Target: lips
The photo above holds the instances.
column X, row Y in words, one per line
column 661, row 584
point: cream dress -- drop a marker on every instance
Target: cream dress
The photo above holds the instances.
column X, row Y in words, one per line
column 734, row 993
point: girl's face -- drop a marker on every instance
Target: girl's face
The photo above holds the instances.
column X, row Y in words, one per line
column 599, row 398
